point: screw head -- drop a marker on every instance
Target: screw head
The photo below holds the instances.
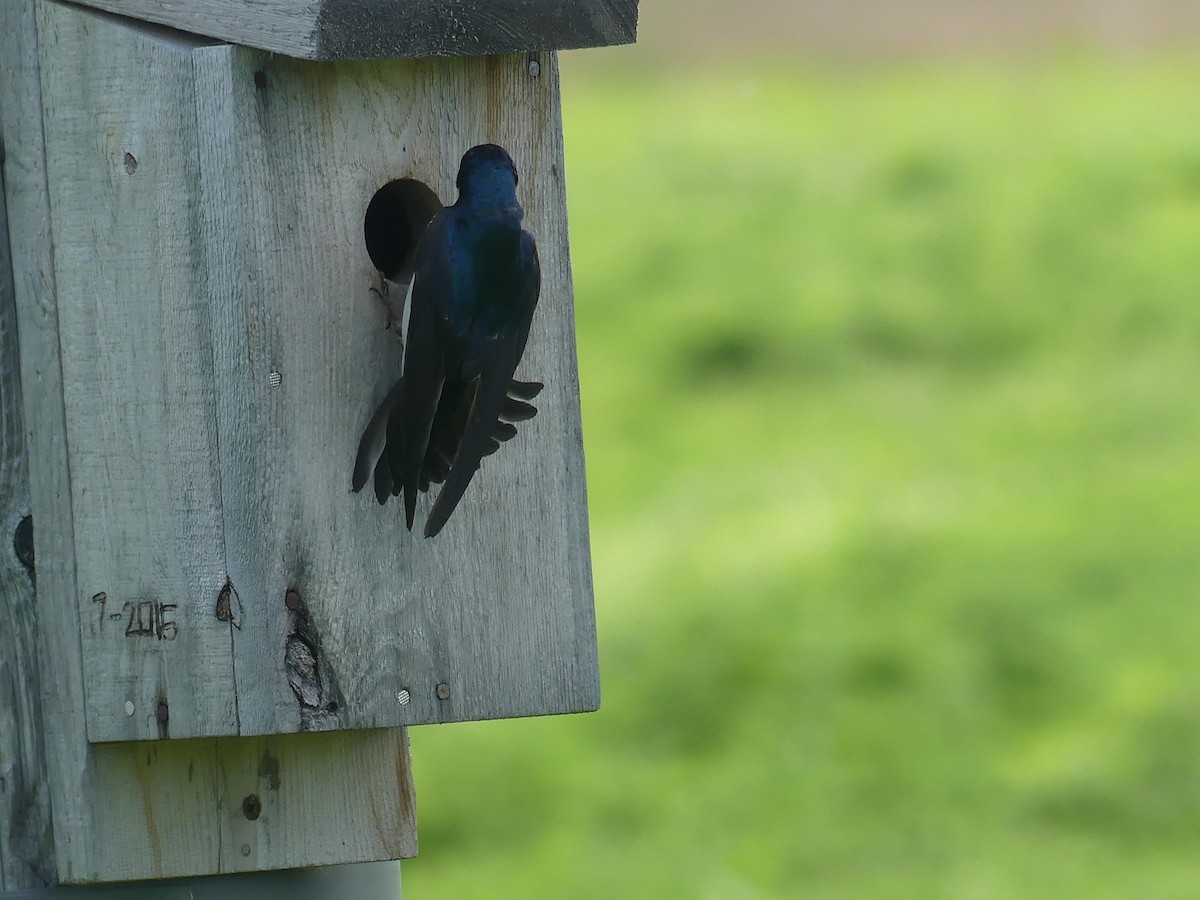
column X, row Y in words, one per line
column 443, row 691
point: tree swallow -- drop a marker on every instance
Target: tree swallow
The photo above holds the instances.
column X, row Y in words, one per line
column 470, row 304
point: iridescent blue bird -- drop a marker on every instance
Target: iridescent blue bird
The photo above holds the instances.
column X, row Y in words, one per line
column 470, row 304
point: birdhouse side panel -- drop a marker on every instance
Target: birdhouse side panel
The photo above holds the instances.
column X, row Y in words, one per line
column 138, row 389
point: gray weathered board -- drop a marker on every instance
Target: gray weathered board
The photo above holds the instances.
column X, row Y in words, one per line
column 223, row 345
column 136, row 811
column 26, row 838
column 374, row 29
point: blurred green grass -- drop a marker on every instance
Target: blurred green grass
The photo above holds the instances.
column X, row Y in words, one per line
column 889, row 384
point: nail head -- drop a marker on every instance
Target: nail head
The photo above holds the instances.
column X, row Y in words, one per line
column 292, row 599
column 535, row 68
column 162, row 713
column 443, row 691
column 252, row 807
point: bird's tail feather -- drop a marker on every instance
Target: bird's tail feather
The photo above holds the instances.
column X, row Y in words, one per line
column 374, row 442
column 379, row 455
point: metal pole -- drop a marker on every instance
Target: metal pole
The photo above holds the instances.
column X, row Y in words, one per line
column 367, row 881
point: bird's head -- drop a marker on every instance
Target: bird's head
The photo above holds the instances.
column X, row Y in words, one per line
column 487, row 174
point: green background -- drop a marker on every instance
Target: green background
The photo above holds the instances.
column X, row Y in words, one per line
column 889, row 378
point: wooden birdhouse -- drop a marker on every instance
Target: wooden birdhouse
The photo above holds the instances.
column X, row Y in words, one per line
column 211, row 206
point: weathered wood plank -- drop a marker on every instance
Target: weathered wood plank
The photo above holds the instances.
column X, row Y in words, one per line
column 26, row 835
column 217, row 806
column 33, row 277
column 376, row 29
column 498, row 608
column 134, row 334
column 128, row 811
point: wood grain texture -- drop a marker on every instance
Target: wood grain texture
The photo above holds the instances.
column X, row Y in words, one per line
column 26, row 835
column 135, row 332
column 378, row 29
column 129, row 811
column 26, row 199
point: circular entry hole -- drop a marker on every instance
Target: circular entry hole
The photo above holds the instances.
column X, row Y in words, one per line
column 395, row 219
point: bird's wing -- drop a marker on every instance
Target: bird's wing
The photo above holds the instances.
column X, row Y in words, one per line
column 373, row 445
column 424, row 360
column 451, row 420
column 373, row 448
column 453, row 410
column 492, row 394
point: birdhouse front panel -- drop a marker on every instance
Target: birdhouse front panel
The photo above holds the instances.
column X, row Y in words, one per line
column 226, row 335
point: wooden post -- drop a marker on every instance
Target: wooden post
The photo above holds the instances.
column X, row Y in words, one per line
column 26, row 837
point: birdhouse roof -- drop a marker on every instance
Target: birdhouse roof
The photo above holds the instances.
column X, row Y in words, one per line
column 369, row 29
